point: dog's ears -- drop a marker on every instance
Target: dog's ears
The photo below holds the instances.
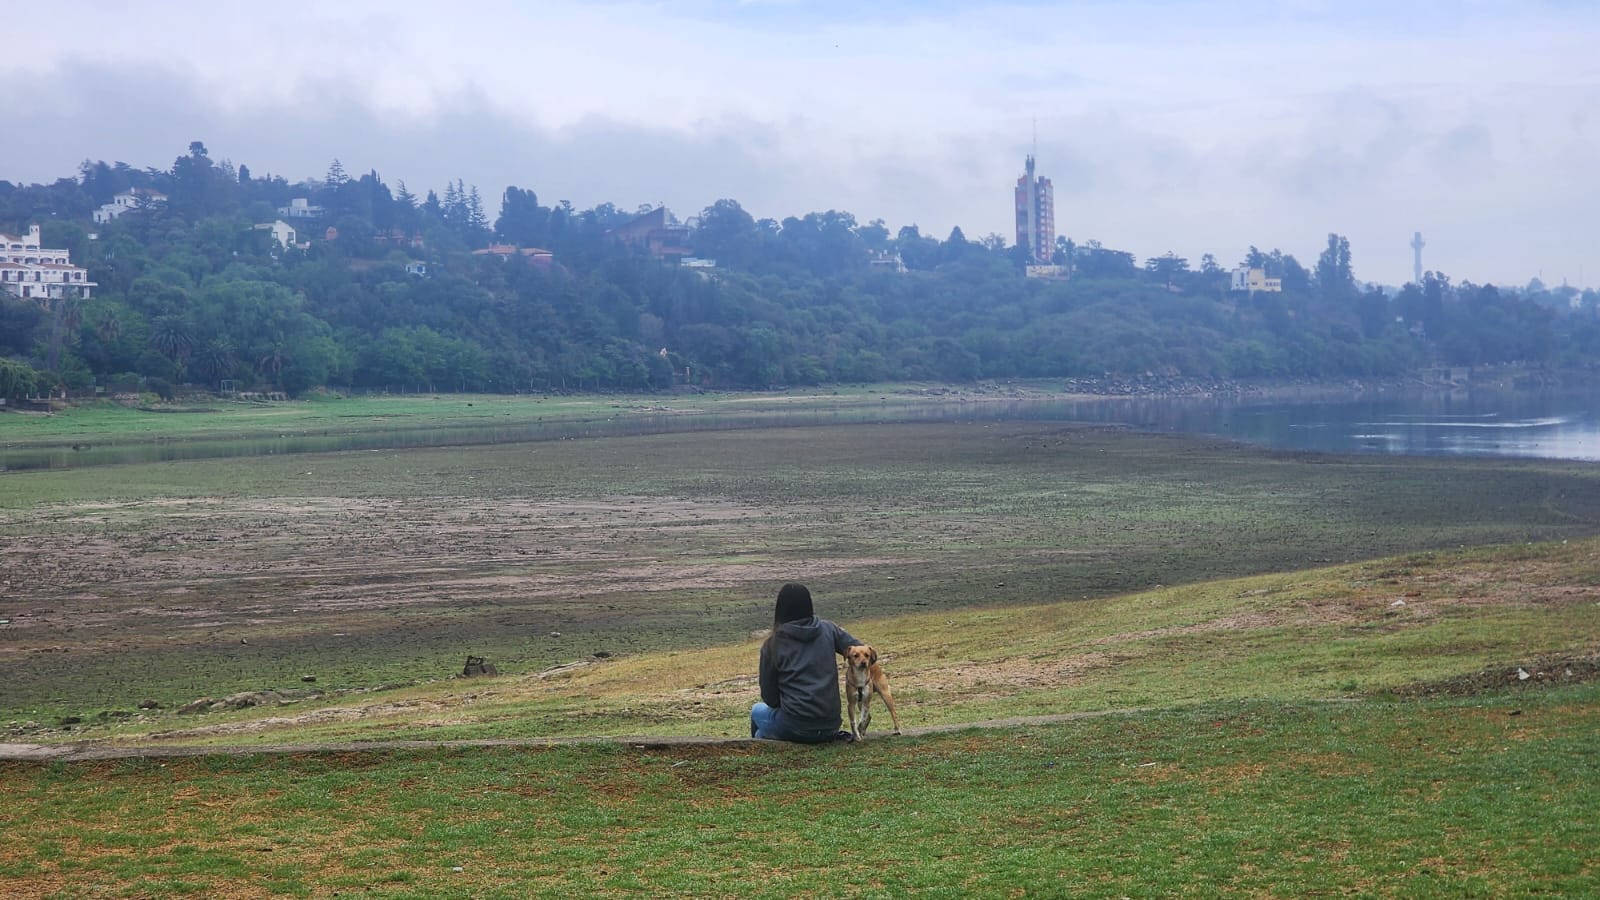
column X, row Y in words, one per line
column 872, row 656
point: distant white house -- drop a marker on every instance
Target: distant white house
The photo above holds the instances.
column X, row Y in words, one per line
column 301, row 208
column 126, row 202
column 282, row 232
column 417, row 268
column 35, row 272
column 887, row 261
column 1255, row 280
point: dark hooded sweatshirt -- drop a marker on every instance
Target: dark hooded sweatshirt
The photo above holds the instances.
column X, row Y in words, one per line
column 799, row 674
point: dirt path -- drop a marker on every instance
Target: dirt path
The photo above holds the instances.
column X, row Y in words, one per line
column 87, row 751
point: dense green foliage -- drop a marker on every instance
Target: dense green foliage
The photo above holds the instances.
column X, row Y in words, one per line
column 192, row 292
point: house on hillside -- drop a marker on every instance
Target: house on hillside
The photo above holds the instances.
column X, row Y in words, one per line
column 282, row 232
column 301, row 208
column 534, row 256
column 886, row 261
column 127, row 201
column 657, row 232
column 1255, row 280
column 32, row 271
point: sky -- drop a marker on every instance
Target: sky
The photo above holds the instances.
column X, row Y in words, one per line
column 1164, row 125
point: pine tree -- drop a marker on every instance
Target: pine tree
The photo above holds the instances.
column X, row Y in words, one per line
column 453, row 203
column 476, row 220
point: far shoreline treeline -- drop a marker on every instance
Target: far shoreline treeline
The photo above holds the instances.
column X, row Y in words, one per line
column 379, row 289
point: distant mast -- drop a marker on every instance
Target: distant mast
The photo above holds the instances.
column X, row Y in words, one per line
column 1416, row 258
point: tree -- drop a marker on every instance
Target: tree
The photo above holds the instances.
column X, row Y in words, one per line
column 199, row 189
column 1167, row 267
column 1096, row 261
column 477, row 221
column 336, row 177
column 875, row 235
column 170, row 337
column 68, row 316
column 1064, row 252
column 19, row 380
column 916, row 251
column 522, row 220
column 1434, row 287
column 727, row 234
column 216, row 359
column 271, row 362
column 1334, row 278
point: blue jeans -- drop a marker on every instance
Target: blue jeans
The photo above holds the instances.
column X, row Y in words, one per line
column 767, row 724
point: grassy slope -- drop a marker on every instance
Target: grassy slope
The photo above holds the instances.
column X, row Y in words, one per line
column 1495, row 796
column 1235, row 784
column 1359, row 630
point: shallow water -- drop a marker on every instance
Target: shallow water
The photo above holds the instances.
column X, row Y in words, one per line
column 1549, row 425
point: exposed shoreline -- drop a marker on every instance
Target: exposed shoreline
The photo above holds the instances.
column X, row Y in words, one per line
column 1155, row 386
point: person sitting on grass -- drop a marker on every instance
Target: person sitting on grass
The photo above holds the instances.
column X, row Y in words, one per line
column 799, row 678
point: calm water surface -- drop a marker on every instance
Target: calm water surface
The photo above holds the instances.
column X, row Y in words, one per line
column 1498, row 424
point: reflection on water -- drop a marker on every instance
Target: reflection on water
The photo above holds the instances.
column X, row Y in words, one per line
column 1545, row 425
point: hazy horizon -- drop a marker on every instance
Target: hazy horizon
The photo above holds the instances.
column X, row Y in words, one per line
column 1195, row 127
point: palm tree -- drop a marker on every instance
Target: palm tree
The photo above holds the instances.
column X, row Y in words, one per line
column 170, row 338
column 216, row 359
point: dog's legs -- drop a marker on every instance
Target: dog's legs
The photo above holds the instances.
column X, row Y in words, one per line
column 882, row 687
column 866, row 709
column 855, row 726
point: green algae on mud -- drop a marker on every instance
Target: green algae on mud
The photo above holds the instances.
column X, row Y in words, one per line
column 173, row 581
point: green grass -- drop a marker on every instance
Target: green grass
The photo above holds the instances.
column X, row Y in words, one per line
column 104, row 422
column 1492, row 796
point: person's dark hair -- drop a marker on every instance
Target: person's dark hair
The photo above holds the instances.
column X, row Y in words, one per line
column 794, row 603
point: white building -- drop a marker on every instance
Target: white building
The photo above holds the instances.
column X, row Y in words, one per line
column 886, row 260
column 31, row 271
column 1255, row 280
column 300, row 208
column 125, row 201
column 282, row 233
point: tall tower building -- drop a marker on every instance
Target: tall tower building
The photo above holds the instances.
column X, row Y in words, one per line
column 1036, row 214
column 1416, row 258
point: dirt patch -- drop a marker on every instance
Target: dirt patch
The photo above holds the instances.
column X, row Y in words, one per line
column 1536, row 674
column 999, row 678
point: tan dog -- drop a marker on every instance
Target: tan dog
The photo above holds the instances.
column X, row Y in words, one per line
column 862, row 678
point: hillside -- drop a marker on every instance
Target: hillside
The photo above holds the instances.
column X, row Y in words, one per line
column 231, row 282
